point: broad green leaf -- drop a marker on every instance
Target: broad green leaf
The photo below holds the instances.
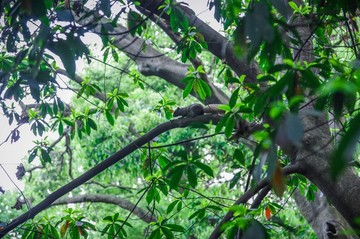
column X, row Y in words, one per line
column 168, row 234
column 188, row 88
column 230, row 124
column 239, row 156
column 206, row 168
column 176, row 175
column 134, row 22
column 234, row 180
column 45, row 156
column 222, row 123
column 192, row 177
column 109, row 117
column 32, row 155
column 62, row 48
column 171, row 206
column 234, row 97
column 92, row 123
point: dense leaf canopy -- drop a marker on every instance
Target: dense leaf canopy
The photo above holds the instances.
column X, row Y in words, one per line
column 178, row 130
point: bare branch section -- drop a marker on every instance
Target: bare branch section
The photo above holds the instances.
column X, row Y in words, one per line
column 103, row 198
column 178, row 123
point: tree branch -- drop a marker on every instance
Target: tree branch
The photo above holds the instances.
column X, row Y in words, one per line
column 178, row 123
column 290, row 169
column 217, row 44
column 109, row 199
column 150, row 61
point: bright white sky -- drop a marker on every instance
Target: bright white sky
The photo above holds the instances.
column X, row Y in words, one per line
column 11, row 155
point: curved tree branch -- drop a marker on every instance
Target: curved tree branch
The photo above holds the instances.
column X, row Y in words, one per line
column 217, row 44
column 150, row 62
column 177, row 123
column 109, row 199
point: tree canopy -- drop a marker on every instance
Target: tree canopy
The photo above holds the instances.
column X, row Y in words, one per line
column 178, row 130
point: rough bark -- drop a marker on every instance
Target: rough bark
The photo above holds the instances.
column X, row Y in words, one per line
column 314, row 158
column 322, row 217
column 318, row 145
column 109, row 199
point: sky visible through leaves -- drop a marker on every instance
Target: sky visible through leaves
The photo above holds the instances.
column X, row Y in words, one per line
column 11, row 154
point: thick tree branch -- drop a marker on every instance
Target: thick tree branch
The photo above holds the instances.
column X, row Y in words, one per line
column 178, row 123
column 217, row 44
column 150, row 61
column 109, row 199
column 176, row 38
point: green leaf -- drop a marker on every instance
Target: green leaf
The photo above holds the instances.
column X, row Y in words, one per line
column 134, row 22
column 32, row 155
column 233, row 98
column 152, row 194
column 337, row 65
column 175, row 227
column 199, row 214
column 156, row 234
column 74, row 232
column 192, row 177
column 293, row 6
column 168, row 234
column 221, row 123
column 205, row 87
column 176, row 175
column 92, row 123
column 206, row 168
column 60, row 128
column 171, row 206
column 239, row 156
column 109, row 117
column 229, row 128
column 188, row 88
column 179, row 206
column 234, row 180
column 45, row 156
column 105, row 7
